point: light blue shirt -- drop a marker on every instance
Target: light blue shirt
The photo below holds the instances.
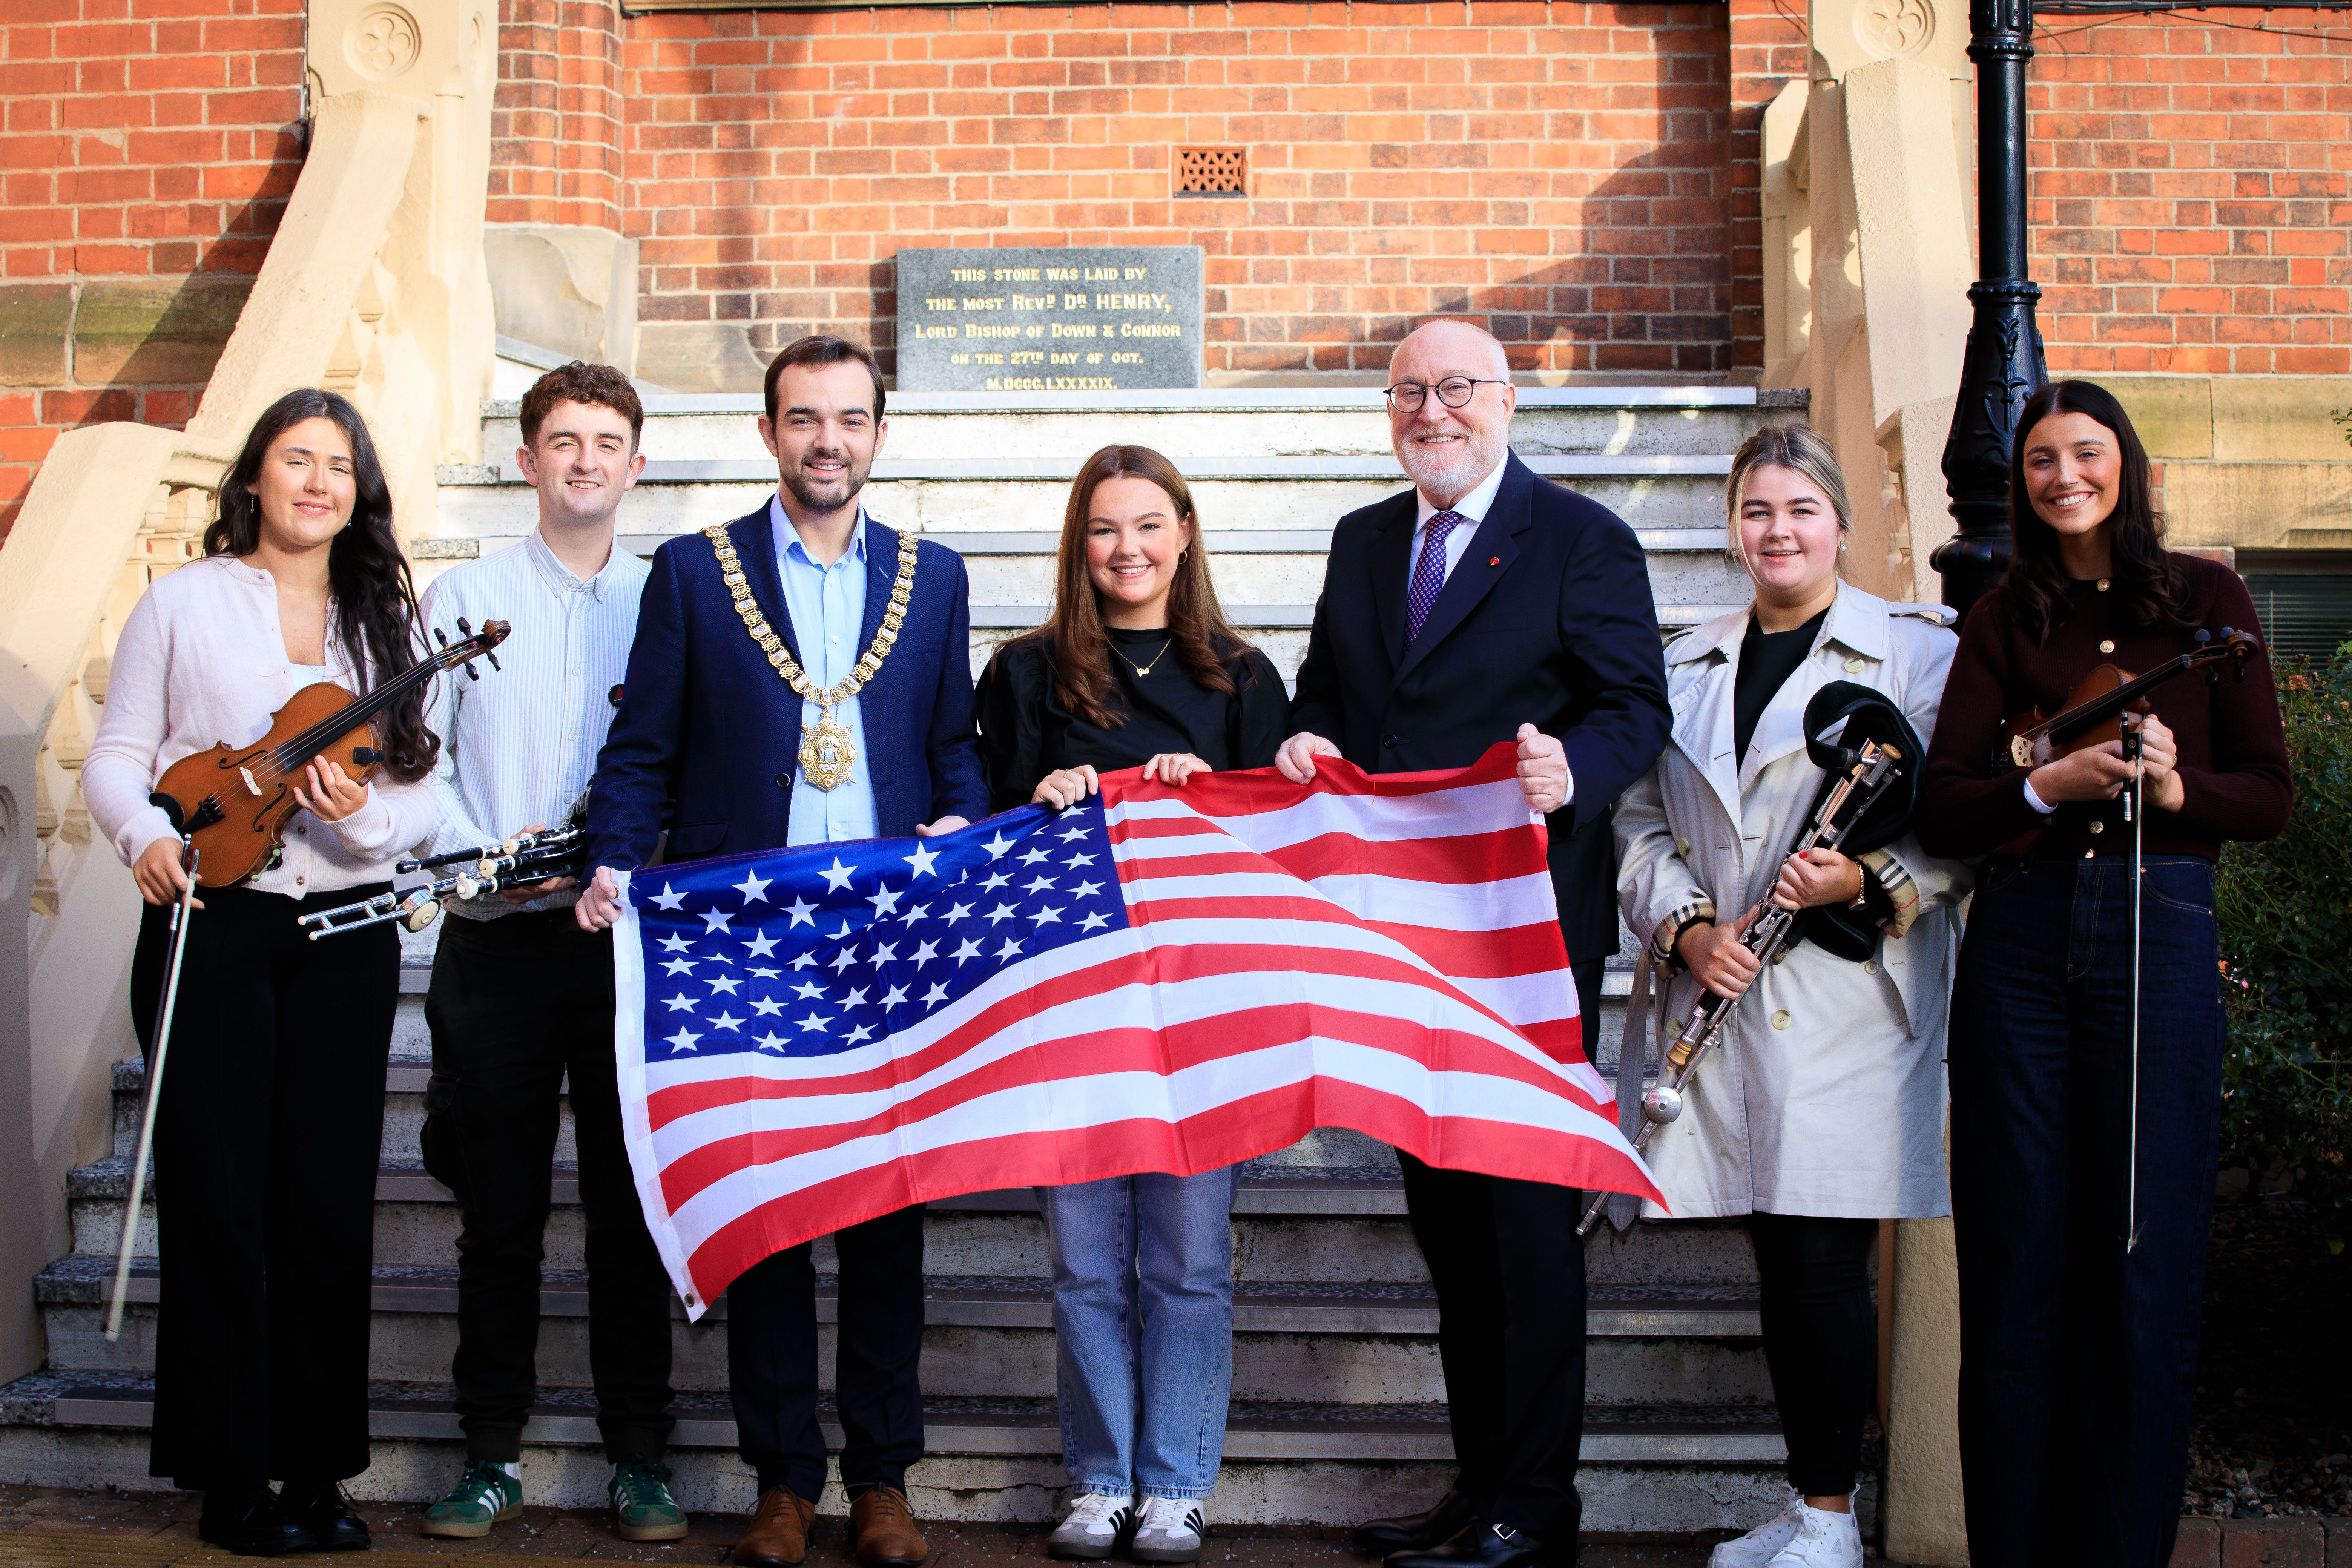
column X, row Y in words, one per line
column 520, row 745
column 827, row 604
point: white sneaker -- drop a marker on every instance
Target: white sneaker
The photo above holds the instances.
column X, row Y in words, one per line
column 1169, row 1531
column 1824, row 1539
column 1091, row 1532
column 1761, row 1545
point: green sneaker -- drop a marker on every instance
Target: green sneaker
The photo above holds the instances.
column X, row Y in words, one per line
column 484, row 1496
column 643, row 1508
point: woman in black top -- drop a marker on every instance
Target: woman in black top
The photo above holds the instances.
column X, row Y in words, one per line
column 1136, row 667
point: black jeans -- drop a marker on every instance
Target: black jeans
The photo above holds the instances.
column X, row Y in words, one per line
column 2078, row 1362
column 1509, row 1269
column 1820, row 1340
column 516, row 1002
column 772, row 1360
column 266, row 1135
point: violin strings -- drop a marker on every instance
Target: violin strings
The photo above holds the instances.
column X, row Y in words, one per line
column 298, row 752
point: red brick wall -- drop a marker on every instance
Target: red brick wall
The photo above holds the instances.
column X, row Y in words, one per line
column 555, row 130
column 148, row 149
column 2190, row 194
column 1554, row 169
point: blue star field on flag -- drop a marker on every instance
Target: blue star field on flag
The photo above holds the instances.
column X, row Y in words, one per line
column 809, row 952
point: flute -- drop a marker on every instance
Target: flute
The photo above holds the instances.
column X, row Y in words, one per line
column 1873, row 768
column 516, row 862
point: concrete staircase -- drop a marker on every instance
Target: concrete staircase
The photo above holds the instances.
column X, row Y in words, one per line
column 1338, row 1401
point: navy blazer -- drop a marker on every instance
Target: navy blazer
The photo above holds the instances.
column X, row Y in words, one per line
column 708, row 736
column 1548, row 621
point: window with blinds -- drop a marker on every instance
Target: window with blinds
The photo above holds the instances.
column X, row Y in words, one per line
column 2304, row 597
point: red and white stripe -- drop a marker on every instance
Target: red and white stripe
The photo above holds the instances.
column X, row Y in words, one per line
column 1376, row 953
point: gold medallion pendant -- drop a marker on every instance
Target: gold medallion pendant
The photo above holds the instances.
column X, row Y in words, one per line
column 828, row 756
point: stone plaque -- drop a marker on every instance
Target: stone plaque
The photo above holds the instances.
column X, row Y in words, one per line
column 1049, row 321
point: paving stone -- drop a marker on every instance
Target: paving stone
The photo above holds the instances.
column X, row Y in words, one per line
column 2273, row 1544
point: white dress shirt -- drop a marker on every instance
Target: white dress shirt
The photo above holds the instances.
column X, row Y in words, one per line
column 202, row 660
column 1472, row 508
column 520, row 745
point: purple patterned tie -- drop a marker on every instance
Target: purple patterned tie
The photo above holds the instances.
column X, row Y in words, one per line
column 1428, row 572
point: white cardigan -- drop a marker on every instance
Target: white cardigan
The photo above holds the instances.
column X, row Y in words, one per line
column 202, row 660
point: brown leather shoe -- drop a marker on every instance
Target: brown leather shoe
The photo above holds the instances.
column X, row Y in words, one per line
column 779, row 1534
column 884, row 1528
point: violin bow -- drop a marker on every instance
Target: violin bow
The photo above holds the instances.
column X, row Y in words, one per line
column 2135, row 810
column 161, row 1039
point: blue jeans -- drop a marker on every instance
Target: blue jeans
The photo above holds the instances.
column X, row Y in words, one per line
column 2078, row 1362
column 1143, row 1328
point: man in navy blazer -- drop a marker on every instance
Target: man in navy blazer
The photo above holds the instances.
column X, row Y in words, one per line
column 705, row 747
column 1488, row 604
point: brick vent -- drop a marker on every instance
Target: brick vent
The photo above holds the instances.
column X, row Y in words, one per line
column 1211, row 171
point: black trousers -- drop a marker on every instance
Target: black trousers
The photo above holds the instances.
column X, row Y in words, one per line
column 772, row 1360
column 1820, row 1341
column 266, row 1133
column 1508, row 1268
column 517, row 1002
column 2078, row 1360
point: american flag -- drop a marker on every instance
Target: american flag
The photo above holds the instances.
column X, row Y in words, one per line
column 1161, row 979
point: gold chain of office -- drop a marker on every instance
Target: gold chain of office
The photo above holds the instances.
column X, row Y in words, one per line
column 828, row 757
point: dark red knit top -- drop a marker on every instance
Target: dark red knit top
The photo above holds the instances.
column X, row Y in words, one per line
column 2233, row 763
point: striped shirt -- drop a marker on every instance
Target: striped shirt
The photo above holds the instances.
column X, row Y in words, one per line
column 520, row 745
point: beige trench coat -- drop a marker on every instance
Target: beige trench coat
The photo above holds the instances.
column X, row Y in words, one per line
column 1826, row 1095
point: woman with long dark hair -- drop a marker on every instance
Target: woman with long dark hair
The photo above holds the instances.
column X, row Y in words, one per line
column 2079, row 1290
column 267, row 1135
column 1136, row 667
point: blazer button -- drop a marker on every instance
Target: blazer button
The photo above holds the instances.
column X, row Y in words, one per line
column 1682, row 846
column 1389, row 741
column 1870, row 967
column 783, row 780
column 1781, row 1020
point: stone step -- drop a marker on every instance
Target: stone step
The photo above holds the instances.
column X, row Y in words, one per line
column 1233, row 424
column 1266, row 586
column 996, row 1459
column 1330, row 1344
column 1290, row 1225
column 476, row 508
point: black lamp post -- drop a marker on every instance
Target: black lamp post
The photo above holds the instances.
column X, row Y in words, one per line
column 2002, row 366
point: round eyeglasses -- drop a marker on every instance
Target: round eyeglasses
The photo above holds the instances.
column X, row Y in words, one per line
column 1454, row 392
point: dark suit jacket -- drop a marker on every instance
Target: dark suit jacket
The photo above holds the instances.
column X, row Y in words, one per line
column 1548, row 621
column 708, row 736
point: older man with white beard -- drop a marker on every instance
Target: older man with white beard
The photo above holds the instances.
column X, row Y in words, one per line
column 1487, row 605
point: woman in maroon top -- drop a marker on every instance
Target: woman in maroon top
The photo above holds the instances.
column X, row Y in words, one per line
column 2078, row 1358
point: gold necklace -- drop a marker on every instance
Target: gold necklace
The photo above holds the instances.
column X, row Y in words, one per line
column 827, row 754
column 1143, row 670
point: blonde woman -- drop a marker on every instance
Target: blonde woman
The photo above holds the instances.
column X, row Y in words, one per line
column 1822, row 1111
column 1137, row 667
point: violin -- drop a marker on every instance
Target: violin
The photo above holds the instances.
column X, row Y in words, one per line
column 233, row 801
column 2094, row 711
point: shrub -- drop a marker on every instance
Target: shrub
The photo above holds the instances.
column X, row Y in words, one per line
column 2285, row 912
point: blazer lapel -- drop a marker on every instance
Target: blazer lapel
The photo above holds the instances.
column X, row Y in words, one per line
column 1492, row 550
column 881, row 576
column 1391, row 566
column 755, row 547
